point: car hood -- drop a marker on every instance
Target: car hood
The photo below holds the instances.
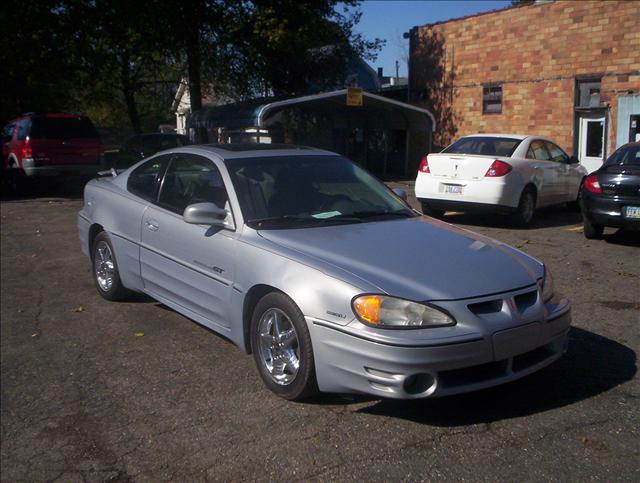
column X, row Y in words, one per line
column 416, row 258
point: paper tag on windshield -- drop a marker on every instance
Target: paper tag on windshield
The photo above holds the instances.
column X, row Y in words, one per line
column 326, row 214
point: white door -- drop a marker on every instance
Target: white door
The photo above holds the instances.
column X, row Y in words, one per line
column 592, row 142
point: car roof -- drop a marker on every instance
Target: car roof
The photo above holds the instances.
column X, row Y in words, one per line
column 253, row 150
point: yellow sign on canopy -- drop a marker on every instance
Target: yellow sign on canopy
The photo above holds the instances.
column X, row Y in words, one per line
column 354, row 96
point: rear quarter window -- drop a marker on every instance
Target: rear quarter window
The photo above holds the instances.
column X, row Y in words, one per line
column 143, row 181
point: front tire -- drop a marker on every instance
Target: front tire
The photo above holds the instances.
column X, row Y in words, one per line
column 105, row 269
column 526, row 208
column 592, row 231
column 281, row 346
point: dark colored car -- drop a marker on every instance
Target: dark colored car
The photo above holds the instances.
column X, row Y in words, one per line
column 50, row 144
column 144, row 145
column 611, row 195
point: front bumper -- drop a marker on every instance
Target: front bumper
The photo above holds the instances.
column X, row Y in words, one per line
column 346, row 363
column 609, row 211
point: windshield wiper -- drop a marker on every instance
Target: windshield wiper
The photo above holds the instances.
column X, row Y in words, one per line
column 304, row 219
column 373, row 214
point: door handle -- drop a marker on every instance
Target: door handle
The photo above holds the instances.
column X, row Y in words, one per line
column 152, row 225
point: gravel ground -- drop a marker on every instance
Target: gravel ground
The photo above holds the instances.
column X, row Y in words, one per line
column 95, row 391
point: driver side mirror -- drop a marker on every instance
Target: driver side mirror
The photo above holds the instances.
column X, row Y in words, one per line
column 573, row 160
column 402, row 194
column 205, row 214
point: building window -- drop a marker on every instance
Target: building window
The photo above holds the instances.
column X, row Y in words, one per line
column 492, row 99
column 588, row 93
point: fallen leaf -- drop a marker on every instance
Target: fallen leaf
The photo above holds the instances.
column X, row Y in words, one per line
column 139, row 334
column 79, row 308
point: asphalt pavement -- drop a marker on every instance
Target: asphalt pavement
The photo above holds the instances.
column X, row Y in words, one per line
column 99, row 391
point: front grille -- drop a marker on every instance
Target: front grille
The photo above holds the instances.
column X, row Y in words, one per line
column 484, row 308
column 497, row 369
column 531, row 358
column 473, row 375
column 525, row 300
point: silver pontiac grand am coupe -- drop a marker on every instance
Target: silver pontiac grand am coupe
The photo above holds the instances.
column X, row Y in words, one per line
column 329, row 278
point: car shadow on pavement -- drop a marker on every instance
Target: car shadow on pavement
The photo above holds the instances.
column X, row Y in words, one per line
column 545, row 218
column 622, row 237
column 68, row 187
column 594, row 364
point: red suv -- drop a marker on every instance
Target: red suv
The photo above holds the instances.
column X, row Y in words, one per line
column 50, row 144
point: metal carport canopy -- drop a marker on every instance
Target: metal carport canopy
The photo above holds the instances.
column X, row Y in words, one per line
column 264, row 110
column 254, row 113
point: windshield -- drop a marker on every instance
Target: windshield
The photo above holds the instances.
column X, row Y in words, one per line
column 629, row 154
column 303, row 191
column 62, row 128
column 484, row 145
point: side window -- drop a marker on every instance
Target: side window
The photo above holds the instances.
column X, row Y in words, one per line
column 537, row 150
column 191, row 179
column 557, row 154
column 143, row 181
column 7, row 132
column 23, row 129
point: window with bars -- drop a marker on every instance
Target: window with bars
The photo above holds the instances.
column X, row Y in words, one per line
column 492, row 99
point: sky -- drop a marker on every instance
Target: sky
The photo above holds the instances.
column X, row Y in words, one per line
column 388, row 19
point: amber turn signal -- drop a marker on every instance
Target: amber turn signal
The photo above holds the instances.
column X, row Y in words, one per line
column 368, row 308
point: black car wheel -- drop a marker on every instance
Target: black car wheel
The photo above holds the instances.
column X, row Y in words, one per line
column 429, row 211
column 592, row 231
column 526, row 207
column 575, row 205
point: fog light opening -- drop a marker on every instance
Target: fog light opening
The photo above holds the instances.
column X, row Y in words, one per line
column 418, row 383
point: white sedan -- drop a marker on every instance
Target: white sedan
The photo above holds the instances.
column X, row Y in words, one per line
column 503, row 173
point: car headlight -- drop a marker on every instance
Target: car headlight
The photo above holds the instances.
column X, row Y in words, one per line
column 547, row 285
column 390, row 312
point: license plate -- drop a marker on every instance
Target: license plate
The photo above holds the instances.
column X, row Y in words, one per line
column 455, row 189
column 632, row 211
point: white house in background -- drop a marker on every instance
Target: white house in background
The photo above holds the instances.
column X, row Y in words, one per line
column 181, row 105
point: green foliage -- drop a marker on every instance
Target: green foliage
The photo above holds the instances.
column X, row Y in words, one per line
column 121, row 61
column 36, row 71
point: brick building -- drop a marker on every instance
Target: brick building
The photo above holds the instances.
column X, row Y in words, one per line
column 569, row 70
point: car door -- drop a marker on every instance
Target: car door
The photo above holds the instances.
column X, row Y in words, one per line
column 568, row 176
column 549, row 189
column 189, row 265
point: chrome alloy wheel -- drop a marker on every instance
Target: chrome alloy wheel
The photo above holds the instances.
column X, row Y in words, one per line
column 103, row 266
column 279, row 346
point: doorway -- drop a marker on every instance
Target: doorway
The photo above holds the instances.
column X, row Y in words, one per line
column 591, row 140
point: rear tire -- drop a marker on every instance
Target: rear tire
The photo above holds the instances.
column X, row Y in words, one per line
column 577, row 204
column 281, row 347
column 19, row 183
column 433, row 212
column 526, row 208
column 105, row 270
column 592, row 231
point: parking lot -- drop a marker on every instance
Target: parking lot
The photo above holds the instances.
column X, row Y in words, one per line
column 95, row 391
